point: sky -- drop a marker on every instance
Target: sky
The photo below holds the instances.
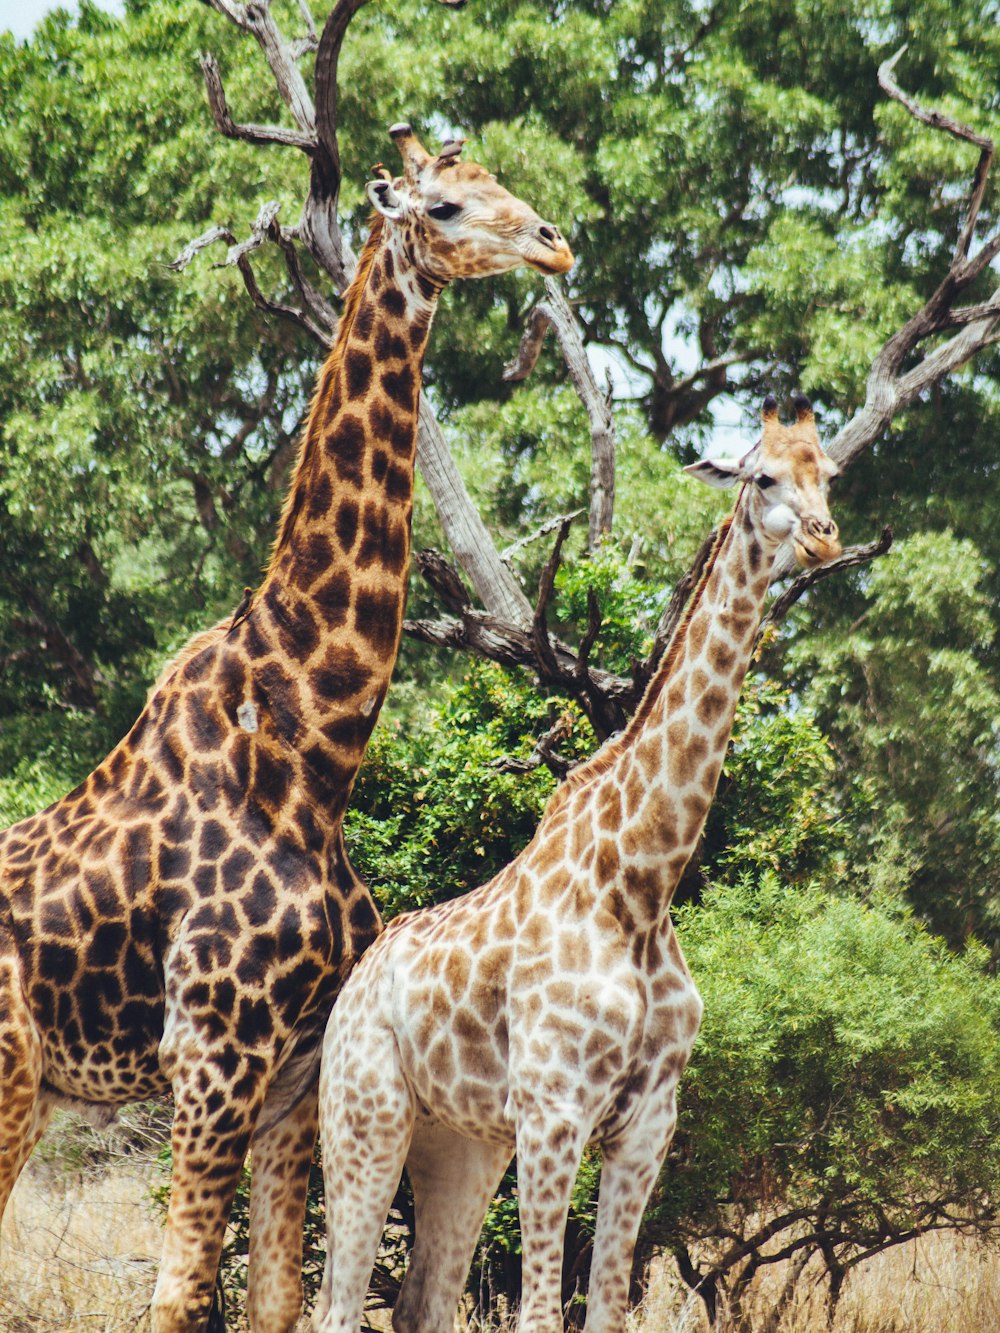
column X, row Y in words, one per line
column 22, row 16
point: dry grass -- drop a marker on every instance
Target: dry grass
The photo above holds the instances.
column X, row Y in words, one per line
column 940, row 1284
column 79, row 1252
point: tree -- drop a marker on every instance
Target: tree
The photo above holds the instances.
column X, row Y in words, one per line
column 750, row 209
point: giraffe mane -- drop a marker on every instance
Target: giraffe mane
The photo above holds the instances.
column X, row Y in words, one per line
column 609, row 752
column 324, row 383
column 184, row 655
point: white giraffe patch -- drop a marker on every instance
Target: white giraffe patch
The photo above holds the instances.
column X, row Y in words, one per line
column 246, row 715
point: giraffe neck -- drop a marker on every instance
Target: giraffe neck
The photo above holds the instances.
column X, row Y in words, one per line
column 326, row 622
column 656, row 781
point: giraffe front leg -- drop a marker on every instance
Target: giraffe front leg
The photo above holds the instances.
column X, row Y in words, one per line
column 24, row 1111
column 217, row 1097
column 549, row 1147
column 281, row 1156
column 628, row 1175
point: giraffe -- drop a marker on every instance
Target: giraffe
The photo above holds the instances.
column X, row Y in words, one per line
column 552, row 1007
column 183, row 920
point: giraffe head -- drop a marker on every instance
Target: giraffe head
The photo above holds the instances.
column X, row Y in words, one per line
column 455, row 221
column 788, row 474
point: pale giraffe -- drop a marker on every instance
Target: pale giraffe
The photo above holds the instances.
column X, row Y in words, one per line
column 183, row 920
column 552, row 1007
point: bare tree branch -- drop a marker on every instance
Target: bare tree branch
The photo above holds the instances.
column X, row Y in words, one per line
column 937, row 120
column 544, row 753
column 853, row 555
column 556, row 313
column 260, row 134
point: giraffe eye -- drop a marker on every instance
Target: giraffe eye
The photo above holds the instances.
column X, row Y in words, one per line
column 442, row 212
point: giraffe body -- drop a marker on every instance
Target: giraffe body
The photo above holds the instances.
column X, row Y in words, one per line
column 552, row 1007
column 183, row 920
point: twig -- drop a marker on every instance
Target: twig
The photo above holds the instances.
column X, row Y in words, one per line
column 555, row 312
column 543, row 753
column 853, row 555
column 249, row 133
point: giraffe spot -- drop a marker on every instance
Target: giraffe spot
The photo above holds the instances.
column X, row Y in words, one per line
column 389, row 345
column 380, row 464
column 254, row 1023
column 271, row 781
column 388, row 265
column 341, row 674
column 261, row 902
column 392, row 302
column 377, row 617
column 399, row 483
column 106, row 944
column 173, row 862
column 684, row 763
column 290, row 991
column 57, row 962
column 711, row 705
column 358, row 372
column 402, row 436
column 364, row 920
column 212, row 841
column 347, row 733
column 56, row 919
column 333, row 598
column 349, row 446
column 321, row 497
column 607, row 862
column 364, row 318
column 721, row 656
column 609, row 813
column 380, row 418
column 399, row 385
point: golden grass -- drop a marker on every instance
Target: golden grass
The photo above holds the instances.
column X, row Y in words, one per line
column 79, row 1251
column 940, row 1284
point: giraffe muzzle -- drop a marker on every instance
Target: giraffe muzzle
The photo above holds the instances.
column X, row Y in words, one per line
column 547, row 250
column 818, row 541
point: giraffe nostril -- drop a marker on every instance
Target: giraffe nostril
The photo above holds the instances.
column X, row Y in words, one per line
column 549, row 234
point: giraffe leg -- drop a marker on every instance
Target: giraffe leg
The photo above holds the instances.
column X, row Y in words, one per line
column 628, row 1174
column 453, row 1180
column 279, row 1181
column 366, row 1119
column 24, row 1110
column 211, row 1134
column 549, row 1148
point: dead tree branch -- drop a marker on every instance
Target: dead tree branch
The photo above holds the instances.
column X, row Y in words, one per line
column 890, row 388
column 259, row 134
column 555, row 312
column 853, row 555
column 545, row 752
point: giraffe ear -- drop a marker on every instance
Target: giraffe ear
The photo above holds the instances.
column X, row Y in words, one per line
column 719, row 472
column 385, row 199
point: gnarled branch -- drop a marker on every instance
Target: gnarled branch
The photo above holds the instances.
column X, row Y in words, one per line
column 556, row 313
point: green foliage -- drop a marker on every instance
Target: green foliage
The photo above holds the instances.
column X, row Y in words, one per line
column 847, row 1072
column 911, row 699
column 778, row 806
column 433, row 815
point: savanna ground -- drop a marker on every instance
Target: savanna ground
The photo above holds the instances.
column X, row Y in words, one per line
column 82, row 1235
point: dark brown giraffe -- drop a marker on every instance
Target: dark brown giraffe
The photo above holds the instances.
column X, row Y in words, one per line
column 183, row 919
column 552, row 1007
